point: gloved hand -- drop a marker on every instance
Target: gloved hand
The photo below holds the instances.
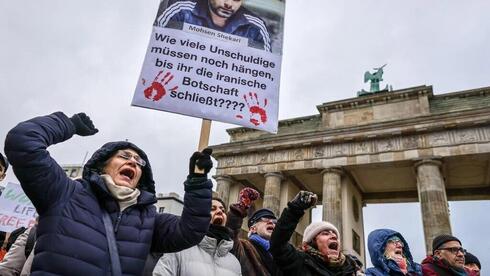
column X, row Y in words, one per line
column 200, row 163
column 247, row 197
column 83, row 124
column 304, row 200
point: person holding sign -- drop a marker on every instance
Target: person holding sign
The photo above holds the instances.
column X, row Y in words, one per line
column 104, row 223
column 228, row 16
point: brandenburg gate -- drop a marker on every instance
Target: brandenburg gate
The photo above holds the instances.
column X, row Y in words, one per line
column 406, row 145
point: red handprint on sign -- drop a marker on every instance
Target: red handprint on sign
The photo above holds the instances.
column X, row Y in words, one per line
column 157, row 89
column 258, row 114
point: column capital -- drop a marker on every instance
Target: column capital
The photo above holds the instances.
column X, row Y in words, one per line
column 335, row 170
column 274, row 174
column 428, row 161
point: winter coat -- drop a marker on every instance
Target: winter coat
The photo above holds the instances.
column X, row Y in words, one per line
column 243, row 23
column 294, row 262
column 383, row 267
column 254, row 259
column 15, row 260
column 71, row 237
column 433, row 267
column 207, row 258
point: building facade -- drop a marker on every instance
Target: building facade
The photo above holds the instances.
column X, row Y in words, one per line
column 406, row 145
column 170, row 203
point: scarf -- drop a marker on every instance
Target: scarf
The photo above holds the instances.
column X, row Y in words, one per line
column 125, row 196
column 402, row 263
column 261, row 241
column 329, row 262
column 218, row 232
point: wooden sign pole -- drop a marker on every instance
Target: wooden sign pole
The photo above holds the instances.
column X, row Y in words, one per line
column 204, row 138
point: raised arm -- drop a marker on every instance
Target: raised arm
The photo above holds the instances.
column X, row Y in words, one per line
column 43, row 180
column 238, row 211
column 284, row 254
column 173, row 233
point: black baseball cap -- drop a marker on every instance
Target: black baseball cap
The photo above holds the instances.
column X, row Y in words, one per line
column 261, row 213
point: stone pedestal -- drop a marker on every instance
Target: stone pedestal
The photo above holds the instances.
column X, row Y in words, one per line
column 433, row 200
column 332, row 197
column 272, row 191
column 223, row 188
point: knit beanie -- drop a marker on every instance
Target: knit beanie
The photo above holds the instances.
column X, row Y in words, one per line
column 315, row 228
column 471, row 259
column 442, row 239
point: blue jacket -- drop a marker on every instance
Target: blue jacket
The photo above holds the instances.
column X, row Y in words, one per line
column 382, row 266
column 71, row 235
column 196, row 12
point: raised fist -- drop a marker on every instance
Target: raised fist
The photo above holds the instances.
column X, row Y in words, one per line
column 200, row 163
column 304, row 200
column 83, row 125
column 247, row 197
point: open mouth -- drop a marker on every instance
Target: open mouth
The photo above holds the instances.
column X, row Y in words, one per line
column 398, row 251
column 333, row 246
column 218, row 220
column 129, row 173
column 270, row 228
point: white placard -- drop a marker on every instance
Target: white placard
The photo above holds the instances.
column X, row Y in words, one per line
column 205, row 73
column 16, row 210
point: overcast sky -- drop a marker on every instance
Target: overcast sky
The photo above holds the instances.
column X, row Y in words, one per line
column 86, row 56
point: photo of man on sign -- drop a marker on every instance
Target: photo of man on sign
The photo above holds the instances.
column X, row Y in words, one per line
column 225, row 16
column 218, row 60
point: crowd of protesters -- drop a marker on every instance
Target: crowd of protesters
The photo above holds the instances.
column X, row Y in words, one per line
column 105, row 223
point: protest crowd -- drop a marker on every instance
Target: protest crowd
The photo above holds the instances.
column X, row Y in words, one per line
column 105, row 223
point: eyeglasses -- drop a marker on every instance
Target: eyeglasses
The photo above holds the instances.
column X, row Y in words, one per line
column 128, row 156
column 454, row 250
column 396, row 240
column 266, row 220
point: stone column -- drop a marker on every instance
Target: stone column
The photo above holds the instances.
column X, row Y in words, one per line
column 433, row 200
column 272, row 191
column 332, row 197
column 224, row 183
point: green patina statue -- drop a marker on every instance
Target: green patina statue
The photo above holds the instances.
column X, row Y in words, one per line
column 375, row 79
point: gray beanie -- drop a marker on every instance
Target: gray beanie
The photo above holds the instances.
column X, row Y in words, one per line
column 315, row 228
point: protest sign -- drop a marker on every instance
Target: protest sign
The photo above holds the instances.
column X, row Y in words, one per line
column 228, row 73
column 16, row 210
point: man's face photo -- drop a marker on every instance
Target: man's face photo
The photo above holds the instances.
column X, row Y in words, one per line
column 224, row 8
